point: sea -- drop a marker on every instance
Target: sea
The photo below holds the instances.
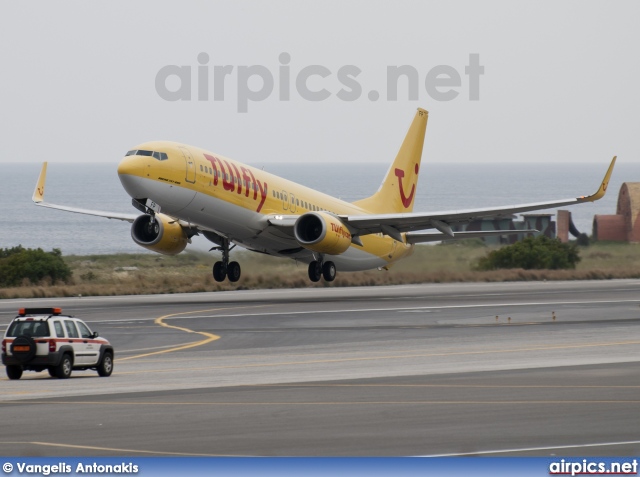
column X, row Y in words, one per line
column 442, row 187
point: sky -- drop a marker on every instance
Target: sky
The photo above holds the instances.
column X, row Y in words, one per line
column 559, row 81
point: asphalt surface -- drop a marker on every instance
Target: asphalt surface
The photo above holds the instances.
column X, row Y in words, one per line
column 549, row 368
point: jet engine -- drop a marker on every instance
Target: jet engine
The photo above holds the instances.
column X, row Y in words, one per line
column 161, row 234
column 322, row 232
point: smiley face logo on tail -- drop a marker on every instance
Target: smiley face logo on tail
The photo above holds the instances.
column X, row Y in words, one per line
column 406, row 201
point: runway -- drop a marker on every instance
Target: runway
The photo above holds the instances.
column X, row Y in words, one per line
column 533, row 368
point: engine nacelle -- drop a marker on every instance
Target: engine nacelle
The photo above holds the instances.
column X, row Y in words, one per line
column 322, row 232
column 163, row 235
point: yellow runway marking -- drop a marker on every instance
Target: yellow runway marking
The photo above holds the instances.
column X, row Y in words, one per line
column 160, row 321
column 391, row 357
column 153, row 347
column 112, row 449
column 209, row 337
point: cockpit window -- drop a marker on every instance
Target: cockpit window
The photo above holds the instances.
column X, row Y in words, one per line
column 161, row 156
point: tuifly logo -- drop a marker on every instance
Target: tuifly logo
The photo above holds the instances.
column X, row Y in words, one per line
column 406, row 201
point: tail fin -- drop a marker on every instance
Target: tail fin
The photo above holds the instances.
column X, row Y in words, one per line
column 398, row 190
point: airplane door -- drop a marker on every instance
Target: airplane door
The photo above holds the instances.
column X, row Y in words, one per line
column 190, row 164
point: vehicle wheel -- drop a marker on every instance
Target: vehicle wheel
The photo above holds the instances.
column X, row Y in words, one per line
column 52, row 371
column 219, row 273
column 329, row 271
column 63, row 370
column 14, row 371
column 26, row 343
column 106, row 365
column 233, row 271
column 315, row 271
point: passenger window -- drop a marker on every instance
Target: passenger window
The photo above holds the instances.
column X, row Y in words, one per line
column 72, row 331
column 59, row 331
column 84, row 331
column 41, row 330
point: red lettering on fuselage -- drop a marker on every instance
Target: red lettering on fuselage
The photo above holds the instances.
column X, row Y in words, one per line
column 214, row 160
column 247, row 179
column 255, row 184
column 263, row 194
column 229, row 184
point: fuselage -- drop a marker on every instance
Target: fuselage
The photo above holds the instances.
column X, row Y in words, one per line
column 236, row 200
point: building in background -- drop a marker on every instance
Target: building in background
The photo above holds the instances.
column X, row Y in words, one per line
column 625, row 225
column 543, row 223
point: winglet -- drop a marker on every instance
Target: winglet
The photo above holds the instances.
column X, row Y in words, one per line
column 603, row 187
column 38, row 193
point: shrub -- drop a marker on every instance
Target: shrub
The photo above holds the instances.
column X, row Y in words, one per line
column 532, row 253
column 18, row 264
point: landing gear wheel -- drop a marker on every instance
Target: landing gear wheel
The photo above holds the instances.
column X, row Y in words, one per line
column 106, row 365
column 329, row 271
column 219, row 273
column 233, row 271
column 315, row 271
column 63, row 370
column 14, row 371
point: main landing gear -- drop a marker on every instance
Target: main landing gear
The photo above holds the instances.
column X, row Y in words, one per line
column 319, row 269
column 225, row 268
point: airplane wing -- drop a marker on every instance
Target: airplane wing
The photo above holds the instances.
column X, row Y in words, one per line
column 394, row 224
column 38, row 198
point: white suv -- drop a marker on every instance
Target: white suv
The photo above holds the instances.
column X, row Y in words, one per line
column 43, row 338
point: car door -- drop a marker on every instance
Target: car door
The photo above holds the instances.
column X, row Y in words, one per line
column 91, row 349
column 75, row 342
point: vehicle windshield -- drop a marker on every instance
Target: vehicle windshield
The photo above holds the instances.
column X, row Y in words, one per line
column 36, row 329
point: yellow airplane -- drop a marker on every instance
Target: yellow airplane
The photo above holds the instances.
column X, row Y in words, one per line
column 184, row 191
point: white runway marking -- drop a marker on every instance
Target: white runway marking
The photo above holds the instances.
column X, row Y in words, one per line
column 534, row 449
column 413, row 309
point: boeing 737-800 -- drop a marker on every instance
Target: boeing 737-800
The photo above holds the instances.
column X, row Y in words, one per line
column 184, row 191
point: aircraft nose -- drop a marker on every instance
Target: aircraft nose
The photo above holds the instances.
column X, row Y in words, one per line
column 130, row 165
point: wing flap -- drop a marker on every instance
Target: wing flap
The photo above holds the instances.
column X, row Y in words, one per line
column 413, row 237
